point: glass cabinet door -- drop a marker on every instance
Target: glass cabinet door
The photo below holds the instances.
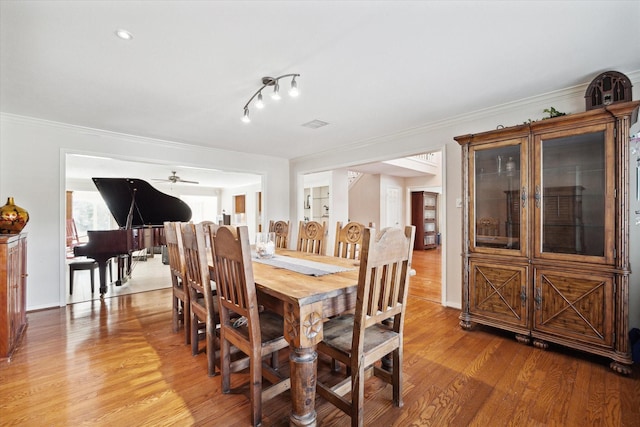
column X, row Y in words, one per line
column 572, row 195
column 498, row 202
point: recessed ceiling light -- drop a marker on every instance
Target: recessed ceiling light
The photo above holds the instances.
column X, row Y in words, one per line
column 124, row 34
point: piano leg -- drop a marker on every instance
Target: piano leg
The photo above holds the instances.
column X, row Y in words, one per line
column 124, row 268
column 102, row 270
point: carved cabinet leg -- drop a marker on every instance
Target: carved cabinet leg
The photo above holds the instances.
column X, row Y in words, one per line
column 620, row 368
column 465, row 322
column 466, row 325
column 540, row 344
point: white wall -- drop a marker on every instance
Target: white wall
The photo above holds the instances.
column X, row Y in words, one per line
column 364, row 200
column 32, row 167
column 339, row 205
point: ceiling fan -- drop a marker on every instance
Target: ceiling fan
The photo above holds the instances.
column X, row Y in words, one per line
column 173, row 178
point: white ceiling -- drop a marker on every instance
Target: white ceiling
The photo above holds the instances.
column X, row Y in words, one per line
column 368, row 68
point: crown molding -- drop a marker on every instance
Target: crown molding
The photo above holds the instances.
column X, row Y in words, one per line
column 84, row 130
column 101, row 133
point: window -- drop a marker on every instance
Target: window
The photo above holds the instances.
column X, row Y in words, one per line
column 203, row 208
column 90, row 212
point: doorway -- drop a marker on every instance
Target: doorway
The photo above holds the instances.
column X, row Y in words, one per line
column 204, row 190
column 381, row 193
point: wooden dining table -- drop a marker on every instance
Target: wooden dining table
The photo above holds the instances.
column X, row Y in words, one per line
column 305, row 301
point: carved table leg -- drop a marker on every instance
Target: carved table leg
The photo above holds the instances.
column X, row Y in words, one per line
column 303, row 362
column 387, row 361
column 303, row 330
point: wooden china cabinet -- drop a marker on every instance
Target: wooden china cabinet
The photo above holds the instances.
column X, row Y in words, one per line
column 13, row 280
column 546, row 226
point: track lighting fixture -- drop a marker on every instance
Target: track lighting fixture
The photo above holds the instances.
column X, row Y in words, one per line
column 270, row 81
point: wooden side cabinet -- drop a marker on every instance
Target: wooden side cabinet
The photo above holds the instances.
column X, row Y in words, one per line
column 13, row 281
column 545, row 231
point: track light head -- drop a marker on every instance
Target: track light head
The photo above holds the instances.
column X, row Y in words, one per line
column 293, row 92
column 276, row 91
column 245, row 117
column 259, row 103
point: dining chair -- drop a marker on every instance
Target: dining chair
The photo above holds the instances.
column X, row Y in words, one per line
column 281, row 228
column 72, row 238
column 376, row 329
column 181, row 306
column 311, row 237
column 79, row 263
column 202, row 301
column 209, row 228
column 348, row 240
column 256, row 333
column 207, row 225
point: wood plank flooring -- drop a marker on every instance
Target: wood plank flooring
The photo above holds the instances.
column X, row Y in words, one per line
column 427, row 283
column 115, row 362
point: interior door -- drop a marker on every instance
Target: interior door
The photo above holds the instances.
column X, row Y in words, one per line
column 393, row 207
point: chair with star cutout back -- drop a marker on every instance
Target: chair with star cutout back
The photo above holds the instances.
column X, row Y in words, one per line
column 311, row 237
column 362, row 339
column 256, row 333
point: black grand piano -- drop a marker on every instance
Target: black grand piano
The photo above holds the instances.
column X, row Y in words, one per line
column 140, row 211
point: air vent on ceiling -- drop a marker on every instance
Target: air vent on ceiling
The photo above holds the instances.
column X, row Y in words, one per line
column 315, row 124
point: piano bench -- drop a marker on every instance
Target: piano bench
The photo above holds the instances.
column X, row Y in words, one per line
column 82, row 264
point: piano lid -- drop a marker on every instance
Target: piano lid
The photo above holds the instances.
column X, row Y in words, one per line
column 152, row 207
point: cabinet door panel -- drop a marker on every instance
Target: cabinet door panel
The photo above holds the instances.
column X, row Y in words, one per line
column 499, row 292
column 498, row 197
column 574, row 305
column 574, row 194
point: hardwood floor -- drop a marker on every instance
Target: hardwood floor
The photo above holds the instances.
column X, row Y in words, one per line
column 116, row 362
column 427, row 283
